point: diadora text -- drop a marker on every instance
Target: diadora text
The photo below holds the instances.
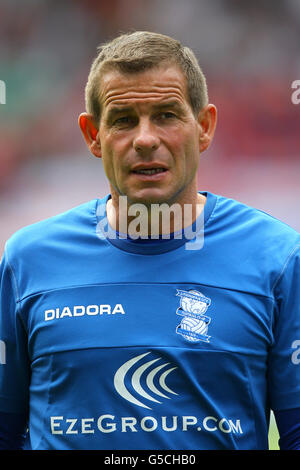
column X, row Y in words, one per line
column 80, row 310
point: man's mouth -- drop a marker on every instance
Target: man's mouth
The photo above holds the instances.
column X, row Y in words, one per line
column 149, row 171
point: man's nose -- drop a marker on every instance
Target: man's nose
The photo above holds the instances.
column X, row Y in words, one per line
column 146, row 139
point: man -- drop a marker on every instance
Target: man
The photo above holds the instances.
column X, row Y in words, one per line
column 158, row 317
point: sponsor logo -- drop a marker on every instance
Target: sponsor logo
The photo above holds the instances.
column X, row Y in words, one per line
column 108, row 423
column 130, row 385
column 80, row 310
column 194, row 325
column 129, row 369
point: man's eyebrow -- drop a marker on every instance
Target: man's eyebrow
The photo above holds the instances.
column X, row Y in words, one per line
column 115, row 110
column 168, row 104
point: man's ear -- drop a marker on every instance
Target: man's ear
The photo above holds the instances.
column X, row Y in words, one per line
column 207, row 120
column 90, row 133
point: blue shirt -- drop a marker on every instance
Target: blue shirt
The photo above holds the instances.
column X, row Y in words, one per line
column 110, row 343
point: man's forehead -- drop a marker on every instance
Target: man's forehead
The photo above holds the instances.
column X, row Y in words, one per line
column 156, row 84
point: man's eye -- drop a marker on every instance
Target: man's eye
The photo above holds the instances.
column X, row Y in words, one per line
column 122, row 120
column 166, row 115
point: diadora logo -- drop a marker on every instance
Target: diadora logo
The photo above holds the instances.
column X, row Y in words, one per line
column 81, row 310
column 194, row 325
column 129, row 377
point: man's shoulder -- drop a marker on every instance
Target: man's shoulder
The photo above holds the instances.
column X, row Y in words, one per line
column 62, row 225
column 253, row 234
column 252, row 218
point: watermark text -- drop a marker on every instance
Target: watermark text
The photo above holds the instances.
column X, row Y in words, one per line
column 2, row 352
column 154, row 221
column 296, row 353
column 295, row 97
column 2, row 92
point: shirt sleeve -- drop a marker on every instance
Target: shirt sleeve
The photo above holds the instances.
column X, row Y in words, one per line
column 13, row 432
column 284, row 357
column 288, row 423
column 14, row 361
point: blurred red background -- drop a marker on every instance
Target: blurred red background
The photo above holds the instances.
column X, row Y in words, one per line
column 248, row 51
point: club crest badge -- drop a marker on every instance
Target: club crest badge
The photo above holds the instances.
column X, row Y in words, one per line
column 194, row 324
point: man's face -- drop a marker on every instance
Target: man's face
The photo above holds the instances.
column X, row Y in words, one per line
column 149, row 136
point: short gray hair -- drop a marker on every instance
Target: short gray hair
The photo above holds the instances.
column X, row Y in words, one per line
column 138, row 51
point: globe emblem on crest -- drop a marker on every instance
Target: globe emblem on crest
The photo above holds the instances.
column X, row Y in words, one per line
column 194, row 325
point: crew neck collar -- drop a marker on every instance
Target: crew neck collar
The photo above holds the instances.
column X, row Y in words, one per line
column 191, row 236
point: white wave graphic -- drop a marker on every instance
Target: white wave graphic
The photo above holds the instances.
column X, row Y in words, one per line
column 126, row 369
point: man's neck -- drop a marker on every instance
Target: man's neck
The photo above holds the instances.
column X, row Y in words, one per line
column 156, row 219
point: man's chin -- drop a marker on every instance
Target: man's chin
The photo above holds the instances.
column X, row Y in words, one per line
column 149, row 198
